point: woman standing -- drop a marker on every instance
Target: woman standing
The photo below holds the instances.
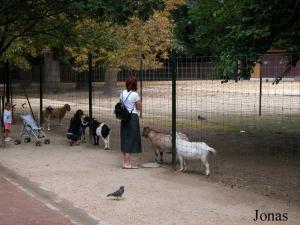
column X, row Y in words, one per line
column 130, row 130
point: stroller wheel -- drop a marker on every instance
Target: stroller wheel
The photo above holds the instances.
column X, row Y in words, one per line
column 38, row 143
column 27, row 139
column 47, row 141
column 17, row 142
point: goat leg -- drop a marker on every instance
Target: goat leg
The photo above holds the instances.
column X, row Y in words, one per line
column 156, row 156
column 48, row 124
column 206, row 168
column 107, row 138
column 106, row 142
column 205, row 163
column 106, row 147
column 161, row 157
column 83, row 134
column 184, row 165
column 181, row 163
column 95, row 139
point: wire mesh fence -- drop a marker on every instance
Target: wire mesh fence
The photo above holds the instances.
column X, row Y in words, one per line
column 206, row 100
column 252, row 123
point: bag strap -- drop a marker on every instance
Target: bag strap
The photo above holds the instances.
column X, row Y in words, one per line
column 126, row 99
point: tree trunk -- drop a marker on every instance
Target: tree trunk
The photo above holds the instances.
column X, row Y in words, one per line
column 110, row 79
column 26, row 78
column 82, row 81
column 51, row 73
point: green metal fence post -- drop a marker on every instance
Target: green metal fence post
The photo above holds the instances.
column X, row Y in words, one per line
column 141, row 83
column 41, row 90
column 174, row 78
column 260, row 93
column 7, row 79
column 90, row 86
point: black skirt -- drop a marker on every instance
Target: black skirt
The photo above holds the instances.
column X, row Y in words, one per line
column 130, row 135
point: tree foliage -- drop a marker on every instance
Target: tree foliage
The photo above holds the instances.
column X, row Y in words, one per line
column 32, row 26
column 150, row 40
column 123, row 45
column 238, row 29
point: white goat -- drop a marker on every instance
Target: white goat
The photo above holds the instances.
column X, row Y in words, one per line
column 192, row 151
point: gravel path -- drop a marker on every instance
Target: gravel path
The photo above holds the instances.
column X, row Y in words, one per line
column 85, row 174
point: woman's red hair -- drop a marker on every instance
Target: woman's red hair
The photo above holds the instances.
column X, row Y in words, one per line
column 131, row 83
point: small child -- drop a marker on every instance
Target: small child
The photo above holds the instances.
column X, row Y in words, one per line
column 7, row 120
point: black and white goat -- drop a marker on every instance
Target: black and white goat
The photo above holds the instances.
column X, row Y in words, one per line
column 98, row 130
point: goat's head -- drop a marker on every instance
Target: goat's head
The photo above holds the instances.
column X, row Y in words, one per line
column 86, row 120
column 67, row 107
column 182, row 136
column 146, row 131
column 49, row 109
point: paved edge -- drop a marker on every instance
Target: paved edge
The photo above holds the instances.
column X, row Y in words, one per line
column 66, row 208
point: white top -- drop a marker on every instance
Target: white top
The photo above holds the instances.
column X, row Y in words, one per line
column 131, row 100
column 7, row 117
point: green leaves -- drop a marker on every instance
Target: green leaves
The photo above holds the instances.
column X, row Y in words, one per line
column 44, row 24
column 238, row 29
column 123, row 45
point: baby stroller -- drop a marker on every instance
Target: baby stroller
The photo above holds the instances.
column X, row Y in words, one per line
column 31, row 129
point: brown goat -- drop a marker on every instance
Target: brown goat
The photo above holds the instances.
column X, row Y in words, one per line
column 55, row 113
column 160, row 141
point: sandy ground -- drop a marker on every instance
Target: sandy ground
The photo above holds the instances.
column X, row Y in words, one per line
column 85, row 174
column 206, row 97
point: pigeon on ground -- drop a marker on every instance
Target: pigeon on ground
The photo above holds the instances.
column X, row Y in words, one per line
column 277, row 80
column 117, row 193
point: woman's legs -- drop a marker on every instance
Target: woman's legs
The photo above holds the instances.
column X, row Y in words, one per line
column 127, row 162
column 126, row 159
